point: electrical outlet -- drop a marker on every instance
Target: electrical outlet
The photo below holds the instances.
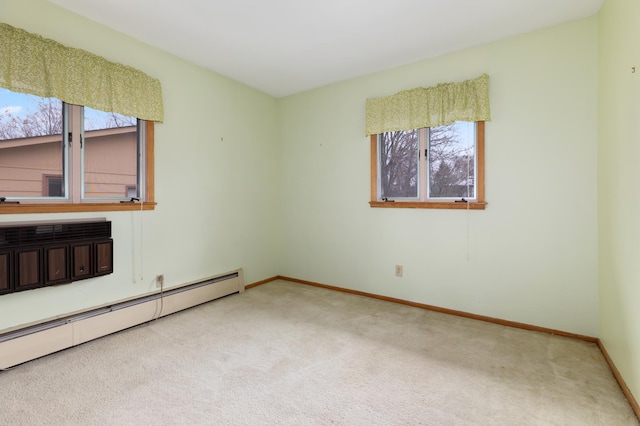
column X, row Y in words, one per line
column 159, row 280
column 398, row 270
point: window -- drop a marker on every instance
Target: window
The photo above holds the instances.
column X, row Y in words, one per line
column 437, row 167
column 132, row 192
column 60, row 157
column 54, row 140
column 427, row 146
column 110, row 146
column 53, row 186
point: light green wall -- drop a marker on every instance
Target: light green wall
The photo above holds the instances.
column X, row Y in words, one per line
column 215, row 197
column 531, row 256
column 618, row 201
column 281, row 186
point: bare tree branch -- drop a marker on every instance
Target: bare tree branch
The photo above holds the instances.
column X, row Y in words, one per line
column 46, row 120
column 450, row 162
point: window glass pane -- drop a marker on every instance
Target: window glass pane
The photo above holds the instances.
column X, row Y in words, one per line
column 110, row 154
column 452, row 160
column 31, row 146
column 398, row 177
column 53, row 186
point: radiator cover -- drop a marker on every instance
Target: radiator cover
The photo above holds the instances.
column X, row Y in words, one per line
column 28, row 343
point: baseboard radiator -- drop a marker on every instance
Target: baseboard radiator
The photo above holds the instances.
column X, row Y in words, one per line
column 34, row 341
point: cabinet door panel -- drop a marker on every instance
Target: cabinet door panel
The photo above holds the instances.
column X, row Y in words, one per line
column 5, row 272
column 28, row 268
column 56, row 265
column 82, row 266
column 104, row 257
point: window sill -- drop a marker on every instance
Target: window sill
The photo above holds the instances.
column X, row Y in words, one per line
column 74, row 208
column 474, row 205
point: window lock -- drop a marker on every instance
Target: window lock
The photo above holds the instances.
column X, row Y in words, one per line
column 3, row 200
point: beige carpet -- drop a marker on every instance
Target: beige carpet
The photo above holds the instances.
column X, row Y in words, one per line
column 289, row 354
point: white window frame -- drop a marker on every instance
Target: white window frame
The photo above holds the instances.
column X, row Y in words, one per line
column 73, row 172
column 422, row 200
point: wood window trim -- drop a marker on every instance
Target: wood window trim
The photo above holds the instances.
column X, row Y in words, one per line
column 478, row 204
column 98, row 207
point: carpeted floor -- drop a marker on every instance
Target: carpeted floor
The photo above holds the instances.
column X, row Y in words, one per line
column 289, row 354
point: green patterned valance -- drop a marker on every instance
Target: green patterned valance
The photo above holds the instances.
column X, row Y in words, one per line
column 430, row 107
column 32, row 64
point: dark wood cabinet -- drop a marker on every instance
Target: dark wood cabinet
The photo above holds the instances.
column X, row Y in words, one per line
column 40, row 254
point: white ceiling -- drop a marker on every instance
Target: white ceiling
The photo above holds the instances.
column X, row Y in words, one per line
column 283, row 47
